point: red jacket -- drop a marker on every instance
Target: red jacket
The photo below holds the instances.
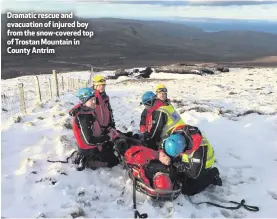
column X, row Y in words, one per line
column 158, row 103
column 86, row 128
column 137, row 157
column 192, row 135
column 146, row 116
column 103, row 110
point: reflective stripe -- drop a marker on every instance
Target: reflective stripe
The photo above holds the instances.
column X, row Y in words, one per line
column 204, row 141
column 210, row 152
column 173, row 119
column 195, row 160
column 157, row 125
column 84, row 136
column 187, row 158
column 82, row 142
column 211, row 156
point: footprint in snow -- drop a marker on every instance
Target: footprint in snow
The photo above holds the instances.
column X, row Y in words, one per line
column 273, row 195
column 215, row 215
column 193, row 215
column 41, row 215
column 29, row 124
column 74, row 212
column 84, row 202
column 120, row 201
column 238, row 173
column 234, row 156
column 226, row 214
column 233, row 214
column 62, row 172
column 65, row 141
column 252, row 179
column 47, row 179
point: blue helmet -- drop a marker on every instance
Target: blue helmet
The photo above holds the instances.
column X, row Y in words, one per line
column 84, row 94
column 147, row 98
column 174, row 144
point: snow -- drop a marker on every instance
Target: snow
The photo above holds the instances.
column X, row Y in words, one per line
column 245, row 147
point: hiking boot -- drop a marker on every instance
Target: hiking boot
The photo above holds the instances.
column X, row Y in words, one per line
column 77, row 159
column 217, row 181
column 81, row 163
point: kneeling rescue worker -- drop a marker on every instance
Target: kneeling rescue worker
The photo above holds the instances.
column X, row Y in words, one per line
column 146, row 100
column 161, row 118
column 95, row 143
column 192, row 157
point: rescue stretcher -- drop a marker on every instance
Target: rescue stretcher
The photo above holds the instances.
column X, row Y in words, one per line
column 156, row 194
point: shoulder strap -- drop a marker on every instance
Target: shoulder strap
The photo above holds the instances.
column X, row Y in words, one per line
column 91, row 113
column 75, row 109
column 158, row 103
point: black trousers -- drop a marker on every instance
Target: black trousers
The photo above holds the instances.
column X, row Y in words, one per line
column 154, row 167
column 152, row 144
column 106, row 155
column 193, row 186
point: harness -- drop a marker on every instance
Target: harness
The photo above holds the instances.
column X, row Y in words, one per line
column 158, row 103
column 102, row 110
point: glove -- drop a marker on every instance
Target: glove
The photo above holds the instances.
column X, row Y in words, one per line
column 113, row 133
column 128, row 134
column 164, row 158
column 112, row 124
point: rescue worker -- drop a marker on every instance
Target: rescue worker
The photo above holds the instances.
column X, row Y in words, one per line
column 161, row 118
column 192, row 157
column 95, row 144
column 161, row 93
column 103, row 107
column 147, row 100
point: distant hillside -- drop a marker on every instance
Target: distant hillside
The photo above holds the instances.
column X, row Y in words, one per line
column 128, row 43
column 216, row 24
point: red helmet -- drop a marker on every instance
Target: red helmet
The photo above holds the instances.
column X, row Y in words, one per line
column 162, row 181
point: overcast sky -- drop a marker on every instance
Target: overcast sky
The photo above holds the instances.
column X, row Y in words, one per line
column 260, row 10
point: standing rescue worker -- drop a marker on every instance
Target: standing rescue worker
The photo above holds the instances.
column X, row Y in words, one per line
column 161, row 93
column 95, row 144
column 103, row 107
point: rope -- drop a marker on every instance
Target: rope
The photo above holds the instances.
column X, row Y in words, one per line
column 239, row 205
column 61, row 161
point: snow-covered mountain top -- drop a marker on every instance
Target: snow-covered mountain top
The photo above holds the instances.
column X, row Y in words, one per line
column 245, row 147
